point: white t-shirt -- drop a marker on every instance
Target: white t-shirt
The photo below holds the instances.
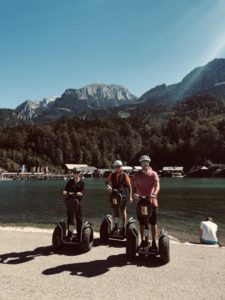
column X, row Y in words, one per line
column 209, row 230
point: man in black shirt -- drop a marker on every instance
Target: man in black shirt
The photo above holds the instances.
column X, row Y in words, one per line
column 74, row 191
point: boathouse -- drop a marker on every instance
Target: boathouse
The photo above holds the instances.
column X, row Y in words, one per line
column 172, row 171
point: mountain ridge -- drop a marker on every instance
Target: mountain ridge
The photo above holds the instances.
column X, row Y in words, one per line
column 114, row 100
column 200, row 80
column 73, row 102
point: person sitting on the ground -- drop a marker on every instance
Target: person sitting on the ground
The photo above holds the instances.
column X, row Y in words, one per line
column 208, row 230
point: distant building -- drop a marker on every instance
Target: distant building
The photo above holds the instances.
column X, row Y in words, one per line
column 127, row 169
column 88, row 171
column 101, row 173
column 172, row 171
column 137, row 168
column 70, row 167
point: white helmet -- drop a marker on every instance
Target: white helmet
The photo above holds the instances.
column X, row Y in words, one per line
column 144, row 158
column 118, row 163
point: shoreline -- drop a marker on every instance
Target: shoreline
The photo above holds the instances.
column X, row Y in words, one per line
column 31, row 229
column 46, row 230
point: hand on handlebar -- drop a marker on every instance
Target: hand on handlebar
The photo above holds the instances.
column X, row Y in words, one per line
column 109, row 188
column 153, row 196
column 79, row 194
column 136, row 196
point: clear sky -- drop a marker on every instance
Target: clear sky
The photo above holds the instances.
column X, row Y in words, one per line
column 47, row 46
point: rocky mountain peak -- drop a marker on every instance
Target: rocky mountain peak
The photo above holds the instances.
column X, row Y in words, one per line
column 27, row 109
column 75, row 101
column 45, row 102
column 101, row 92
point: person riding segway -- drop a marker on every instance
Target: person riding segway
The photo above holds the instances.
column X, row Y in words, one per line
column 146, row 187
column 119, row 185
column 74, row 191
column 83, row 236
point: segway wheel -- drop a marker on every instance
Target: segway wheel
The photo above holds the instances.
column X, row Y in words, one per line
column 164, row 249
column 104, row 233
column 87, row 239
column 56, row 239
column 131, row 246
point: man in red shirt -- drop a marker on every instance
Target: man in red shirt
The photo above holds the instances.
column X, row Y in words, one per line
column 120, row 181
column 146, row 183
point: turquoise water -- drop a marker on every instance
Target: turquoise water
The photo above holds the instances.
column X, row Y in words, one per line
column 183, row 203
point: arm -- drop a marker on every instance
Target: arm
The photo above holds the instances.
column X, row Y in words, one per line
column 81, row 192
column 129, row 186
column 108, row 186
column 66, row 189
column 156, row 189
column 156, row 186
column 134, row 189
column 130, row 193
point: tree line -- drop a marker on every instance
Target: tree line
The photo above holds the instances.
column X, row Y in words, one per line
column 190, row 134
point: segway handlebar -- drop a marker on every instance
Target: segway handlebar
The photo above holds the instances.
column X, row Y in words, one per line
column 74, row 194
column 144, row 197
column 147, row 197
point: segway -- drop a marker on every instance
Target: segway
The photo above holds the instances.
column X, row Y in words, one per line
column 144, row 211
column 84, row 242
column 108, row 230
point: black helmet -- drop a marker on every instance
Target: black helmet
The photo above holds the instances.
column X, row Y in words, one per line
column 76, row 170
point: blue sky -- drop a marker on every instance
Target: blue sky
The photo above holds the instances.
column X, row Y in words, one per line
column 47, row 46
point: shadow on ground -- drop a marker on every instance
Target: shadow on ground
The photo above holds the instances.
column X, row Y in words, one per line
column 68, row 250
column 14, row 258
column 110, row 243
column 25, row 256
column 99, row 267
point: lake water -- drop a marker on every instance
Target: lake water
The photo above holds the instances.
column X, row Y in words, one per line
column 183, row 203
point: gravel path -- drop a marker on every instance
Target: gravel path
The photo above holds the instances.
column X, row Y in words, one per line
column 29, row 270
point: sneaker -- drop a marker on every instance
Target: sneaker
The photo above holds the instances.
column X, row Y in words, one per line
column 115, row 228
column 69, row 237
column 154, row 247
column 143, row 245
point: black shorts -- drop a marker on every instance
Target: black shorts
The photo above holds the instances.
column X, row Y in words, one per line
column 122, row 203
column 152, row 218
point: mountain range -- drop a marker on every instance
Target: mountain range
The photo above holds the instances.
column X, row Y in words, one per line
column 202, row 80
column 116, row 100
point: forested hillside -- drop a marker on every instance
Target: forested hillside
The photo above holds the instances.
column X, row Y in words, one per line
column 192, row 133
